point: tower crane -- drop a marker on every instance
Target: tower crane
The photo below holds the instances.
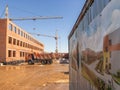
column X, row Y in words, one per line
column 55, row 37
column 30, row 18
column 36, row 18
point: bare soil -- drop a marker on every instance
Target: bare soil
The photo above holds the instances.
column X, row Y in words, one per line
column 34, row 77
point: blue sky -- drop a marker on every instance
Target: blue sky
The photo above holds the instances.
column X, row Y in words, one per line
column 68, row 9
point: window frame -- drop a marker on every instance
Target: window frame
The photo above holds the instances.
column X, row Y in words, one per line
column 9, row 53
column 9, row 40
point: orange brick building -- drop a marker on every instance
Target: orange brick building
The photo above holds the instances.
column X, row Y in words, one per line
column 15, row 43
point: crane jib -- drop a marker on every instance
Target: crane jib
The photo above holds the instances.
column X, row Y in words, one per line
column 37, row 18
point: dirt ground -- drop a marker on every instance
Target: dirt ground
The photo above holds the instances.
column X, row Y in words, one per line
column 34, row 77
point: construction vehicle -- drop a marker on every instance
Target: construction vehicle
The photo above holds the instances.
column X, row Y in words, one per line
column 43, row 58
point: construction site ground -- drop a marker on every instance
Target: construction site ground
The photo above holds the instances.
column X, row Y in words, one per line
column 34, row 77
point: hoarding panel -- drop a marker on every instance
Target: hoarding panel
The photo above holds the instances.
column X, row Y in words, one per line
column 95, row 52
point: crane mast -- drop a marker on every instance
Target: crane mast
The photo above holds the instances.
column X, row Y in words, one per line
column 6, row 11
column 56, row 39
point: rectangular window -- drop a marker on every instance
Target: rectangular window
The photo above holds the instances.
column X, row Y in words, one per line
column 18, row 31
column 24, row 35
column 9, row 53
column 26, row 45
column 18, row 42
column 10, row 40
column 23, row 44
column 15, row 29
column 14, row 53
column 28, row 37
column 20, row 54
column 14, row 41
column 10, row 26
column 23, row 54
column 21, row 33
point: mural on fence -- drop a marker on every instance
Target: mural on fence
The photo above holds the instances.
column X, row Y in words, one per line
column 95, row 52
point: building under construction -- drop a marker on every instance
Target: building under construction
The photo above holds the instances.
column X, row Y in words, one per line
column 16, row 43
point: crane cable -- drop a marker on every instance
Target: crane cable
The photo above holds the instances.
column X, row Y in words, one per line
column 23, row 10
column 2, row 13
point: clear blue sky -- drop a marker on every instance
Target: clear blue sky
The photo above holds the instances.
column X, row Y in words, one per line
column 68, row 9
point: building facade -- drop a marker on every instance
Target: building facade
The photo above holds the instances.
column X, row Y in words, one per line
column 94, row 47
column 15, row 43
column 114, row 50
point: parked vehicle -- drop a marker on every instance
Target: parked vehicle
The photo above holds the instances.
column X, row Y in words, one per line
column 43, row 58
column 64, row 61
